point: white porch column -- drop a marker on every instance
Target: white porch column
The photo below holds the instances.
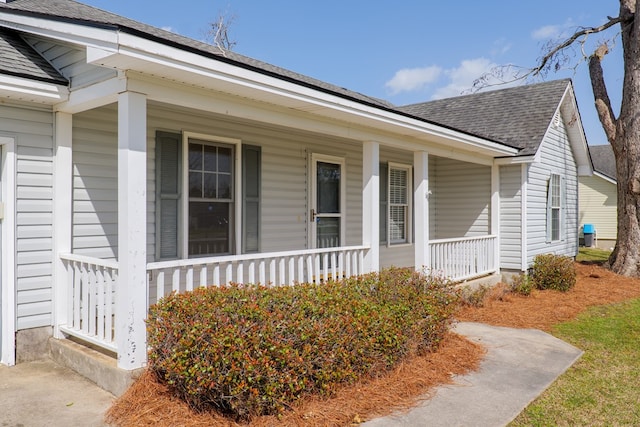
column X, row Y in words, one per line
column 371, row 204
column 62, row 217
column 131, row 290
column 421, row 209
column 495, row 213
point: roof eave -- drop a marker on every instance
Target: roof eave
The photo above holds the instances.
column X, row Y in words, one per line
column 577, row 138
column 32, row 90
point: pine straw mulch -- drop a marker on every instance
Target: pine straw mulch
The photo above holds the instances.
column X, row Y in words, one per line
column 595, row 285
column 148, row 403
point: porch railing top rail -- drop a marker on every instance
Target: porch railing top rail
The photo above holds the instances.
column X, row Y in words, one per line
column 108, row 263
column 247, row 257
column 462, row 239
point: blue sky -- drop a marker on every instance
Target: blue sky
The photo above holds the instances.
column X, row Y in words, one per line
column 403, row 51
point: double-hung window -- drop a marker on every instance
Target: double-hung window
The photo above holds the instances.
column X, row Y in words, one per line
column 211, row 198
column 555, row 207
column 395, row 203
column 200, row 210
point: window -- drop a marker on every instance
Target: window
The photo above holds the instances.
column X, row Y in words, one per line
column 395, row 206
column 555, row 207
column 207, row 222
column 211, row 201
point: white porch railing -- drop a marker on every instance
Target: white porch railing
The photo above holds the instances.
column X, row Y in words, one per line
column 273, row 268
column 91, row 299
column 464, row 258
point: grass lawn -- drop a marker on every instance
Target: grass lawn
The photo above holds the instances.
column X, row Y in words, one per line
column 603, row 387
column 592, row 255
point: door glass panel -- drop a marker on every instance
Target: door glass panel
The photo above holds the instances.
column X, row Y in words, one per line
column 328, row 188
column 328, row 232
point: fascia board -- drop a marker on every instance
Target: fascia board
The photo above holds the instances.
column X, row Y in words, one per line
column 577, row 139
column 87, row 35
column 517, row 160
column 606, row 178
column 32, row 90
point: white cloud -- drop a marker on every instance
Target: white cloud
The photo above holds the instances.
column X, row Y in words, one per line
column 461, row 78
column 546, row 32
column 170, row 29
column 552, row 31
column 413, row 79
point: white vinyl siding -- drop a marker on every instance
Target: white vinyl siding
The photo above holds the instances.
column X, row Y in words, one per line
column 556, row 157
column 33, row 129
column 70, row 61
column 95, row 183
column 460, row 193
column 511, row 217
column 599, row 205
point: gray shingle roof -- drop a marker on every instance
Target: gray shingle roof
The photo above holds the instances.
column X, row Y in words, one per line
column 603, row 160
column 18, row 59
column 518, row 116
column 69, row 10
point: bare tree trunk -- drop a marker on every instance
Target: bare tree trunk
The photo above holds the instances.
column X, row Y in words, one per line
column 624, row 136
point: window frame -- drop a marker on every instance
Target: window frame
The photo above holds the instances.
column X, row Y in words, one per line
column 555, row 204
column 236, row 201
column 408, row 224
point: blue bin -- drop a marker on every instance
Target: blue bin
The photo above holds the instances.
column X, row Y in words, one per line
column 588, row 230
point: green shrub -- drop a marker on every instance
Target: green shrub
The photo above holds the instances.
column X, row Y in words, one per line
column 251, row 350
column 553, row 272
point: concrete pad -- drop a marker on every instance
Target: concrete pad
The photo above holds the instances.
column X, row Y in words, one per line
column 43, row 393
column 520, row 364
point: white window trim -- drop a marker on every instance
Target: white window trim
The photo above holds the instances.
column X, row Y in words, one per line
column 409, row 224
column 183, row 235
column 316, row 157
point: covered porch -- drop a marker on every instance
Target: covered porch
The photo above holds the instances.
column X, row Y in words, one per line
column 125, row 243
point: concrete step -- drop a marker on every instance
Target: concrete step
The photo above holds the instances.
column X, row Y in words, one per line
column 92, row 364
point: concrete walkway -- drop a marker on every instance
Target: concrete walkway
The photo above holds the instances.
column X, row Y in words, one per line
column 39, row 394
column 520, row 364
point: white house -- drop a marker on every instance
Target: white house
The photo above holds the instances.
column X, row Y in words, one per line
column 599, row 196
column 136, row 161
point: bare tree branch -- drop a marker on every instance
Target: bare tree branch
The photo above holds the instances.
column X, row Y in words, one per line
column 583, row 33
column 219, row 32
column 556, row 57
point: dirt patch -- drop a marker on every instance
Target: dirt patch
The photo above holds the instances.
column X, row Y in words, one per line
column 148, row 403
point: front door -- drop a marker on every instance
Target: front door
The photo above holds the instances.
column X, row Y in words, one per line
column 327, row 201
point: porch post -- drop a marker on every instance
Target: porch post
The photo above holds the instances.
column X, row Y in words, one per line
column 421, row 209
column 131, row 289
column 62, row 213
column 371, row 204
column 495, row 213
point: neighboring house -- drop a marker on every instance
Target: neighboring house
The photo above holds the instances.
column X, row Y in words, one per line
column 137, row 162
column 599, row 196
